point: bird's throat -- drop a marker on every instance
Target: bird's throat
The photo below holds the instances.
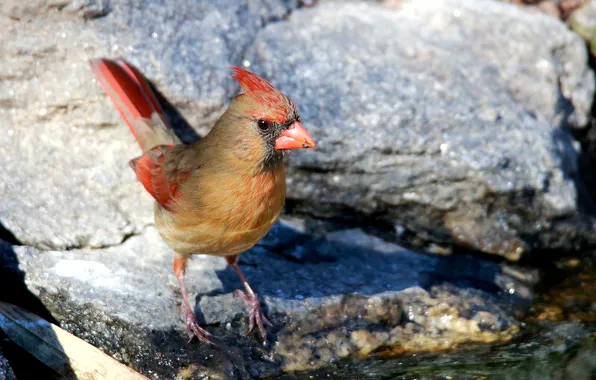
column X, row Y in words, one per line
column 272, row 159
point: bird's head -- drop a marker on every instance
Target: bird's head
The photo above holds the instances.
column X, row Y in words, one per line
column 265, row 122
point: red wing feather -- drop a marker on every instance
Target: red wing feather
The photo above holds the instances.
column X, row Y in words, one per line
column 149, row 169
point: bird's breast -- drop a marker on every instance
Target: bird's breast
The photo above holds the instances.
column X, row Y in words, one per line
column 224, row 215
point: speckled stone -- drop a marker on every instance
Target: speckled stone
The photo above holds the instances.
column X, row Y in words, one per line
column 450, row 122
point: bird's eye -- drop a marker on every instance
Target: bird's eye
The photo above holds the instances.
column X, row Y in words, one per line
column 263, row 124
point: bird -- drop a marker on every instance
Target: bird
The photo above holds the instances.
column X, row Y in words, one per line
column 221, row 194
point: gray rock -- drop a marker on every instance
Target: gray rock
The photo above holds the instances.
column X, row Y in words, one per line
column 353, row 301
column 448, row 118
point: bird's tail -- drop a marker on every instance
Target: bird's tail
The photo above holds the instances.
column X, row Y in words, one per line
column 135, row 101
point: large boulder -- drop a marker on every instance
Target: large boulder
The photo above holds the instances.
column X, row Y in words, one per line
column 448, row 118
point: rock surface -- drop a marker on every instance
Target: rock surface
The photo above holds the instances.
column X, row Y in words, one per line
column 419, row 123
column 347, row 298
column 547, row 351
column 435, row 130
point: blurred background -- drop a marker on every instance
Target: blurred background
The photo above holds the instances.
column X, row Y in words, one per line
column 443, row 227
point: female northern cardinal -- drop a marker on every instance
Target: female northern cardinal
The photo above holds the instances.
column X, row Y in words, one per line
column 222, row 194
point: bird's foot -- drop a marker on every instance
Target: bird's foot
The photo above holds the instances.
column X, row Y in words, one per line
column 193, row 329
column 255, row 314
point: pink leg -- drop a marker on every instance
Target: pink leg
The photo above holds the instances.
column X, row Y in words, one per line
column 255, row 314
column 192, row 327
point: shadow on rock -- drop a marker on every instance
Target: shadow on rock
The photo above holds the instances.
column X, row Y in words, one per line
column 14, row 290
column 292, row 265
column 340, row 293
column 586, row 178
column 353, row 293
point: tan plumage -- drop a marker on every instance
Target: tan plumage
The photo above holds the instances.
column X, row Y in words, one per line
column 222, row 212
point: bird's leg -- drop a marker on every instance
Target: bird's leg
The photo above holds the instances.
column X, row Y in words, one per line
column 255, row 314
column 192, row 327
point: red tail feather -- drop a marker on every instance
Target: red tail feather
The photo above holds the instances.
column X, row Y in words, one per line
column 129, row 91
column 134, row 73
column 137, row 104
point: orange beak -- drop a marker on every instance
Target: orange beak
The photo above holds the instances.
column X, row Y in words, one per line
column 295, row 137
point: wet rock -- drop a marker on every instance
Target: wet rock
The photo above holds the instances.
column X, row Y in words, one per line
column 571, row 293
column 355, row 300
column 411, row 321
column 546, row 351
column 446, row 118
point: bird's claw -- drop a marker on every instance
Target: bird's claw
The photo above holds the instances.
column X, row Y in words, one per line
column 255, row 314
column 193, row 329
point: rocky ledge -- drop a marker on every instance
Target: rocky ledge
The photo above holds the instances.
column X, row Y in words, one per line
column 347, row 294
column 448, row 126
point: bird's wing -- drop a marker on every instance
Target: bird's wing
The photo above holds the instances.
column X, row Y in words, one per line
column 161, row 183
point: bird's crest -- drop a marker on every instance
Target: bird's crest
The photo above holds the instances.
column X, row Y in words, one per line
column 277, row 106
column 252, row 82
